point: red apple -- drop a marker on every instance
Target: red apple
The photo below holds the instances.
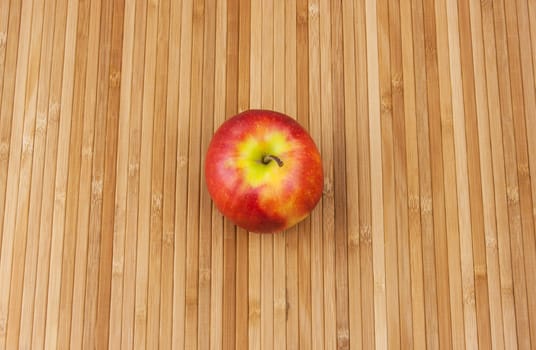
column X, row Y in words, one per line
column 263, row 171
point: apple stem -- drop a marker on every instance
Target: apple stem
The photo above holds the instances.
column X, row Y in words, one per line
column 266, row 159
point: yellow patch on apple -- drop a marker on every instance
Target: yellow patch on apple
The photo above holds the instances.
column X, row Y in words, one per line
column 257, row 170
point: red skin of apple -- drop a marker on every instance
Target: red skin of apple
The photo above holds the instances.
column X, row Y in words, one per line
column 263, row 198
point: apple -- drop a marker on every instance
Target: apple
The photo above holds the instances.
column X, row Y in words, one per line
column 263, row 171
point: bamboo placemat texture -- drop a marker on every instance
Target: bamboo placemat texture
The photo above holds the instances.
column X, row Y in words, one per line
column 425, row 115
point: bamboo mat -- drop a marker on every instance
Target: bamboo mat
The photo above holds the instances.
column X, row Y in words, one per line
column 425, row 115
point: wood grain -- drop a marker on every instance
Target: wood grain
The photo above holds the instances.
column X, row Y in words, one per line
column 423, row 111
column 13, row 165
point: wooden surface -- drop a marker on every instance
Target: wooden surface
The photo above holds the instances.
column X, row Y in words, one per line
column 425, row 115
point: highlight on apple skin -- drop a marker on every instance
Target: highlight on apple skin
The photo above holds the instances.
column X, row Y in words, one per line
column 263, row 171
